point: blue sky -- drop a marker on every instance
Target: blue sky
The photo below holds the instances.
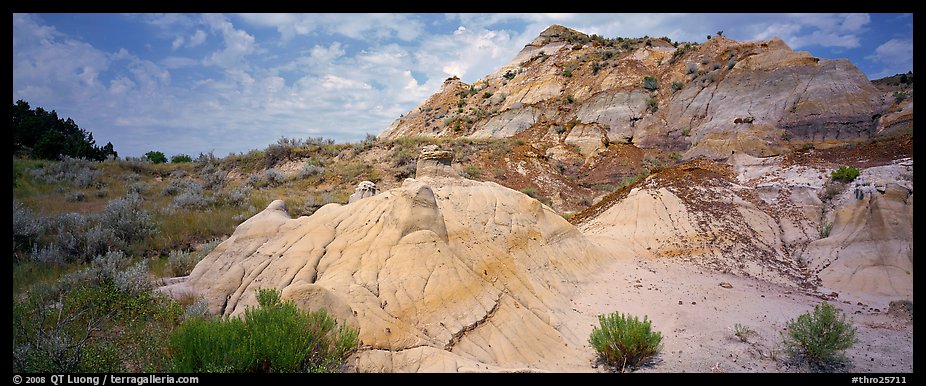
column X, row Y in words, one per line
column 191, row 83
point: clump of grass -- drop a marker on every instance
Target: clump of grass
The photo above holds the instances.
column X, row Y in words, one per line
column 820, row 337
column 273, row 337
column 742, row 332
column 624, row 341
column 845, row 173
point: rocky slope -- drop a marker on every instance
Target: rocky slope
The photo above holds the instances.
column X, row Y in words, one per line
column 780, row 219
column 707, row 99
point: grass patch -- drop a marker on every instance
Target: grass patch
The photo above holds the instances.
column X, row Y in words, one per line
column 275, row 337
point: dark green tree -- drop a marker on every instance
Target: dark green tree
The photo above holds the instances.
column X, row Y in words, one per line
column 156, row 157
column 41, row 134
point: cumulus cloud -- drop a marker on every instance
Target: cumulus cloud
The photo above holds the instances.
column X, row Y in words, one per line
column 237, row 43
column 896, row 55
column 360, row 26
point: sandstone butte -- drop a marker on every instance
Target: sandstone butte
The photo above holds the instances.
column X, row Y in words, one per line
column 444, row 273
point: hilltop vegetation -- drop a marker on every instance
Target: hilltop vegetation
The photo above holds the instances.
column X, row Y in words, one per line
column 40, row 134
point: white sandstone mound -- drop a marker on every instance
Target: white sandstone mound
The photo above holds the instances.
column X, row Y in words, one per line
column 868, row 254
column 440, row 274
column 762, row 219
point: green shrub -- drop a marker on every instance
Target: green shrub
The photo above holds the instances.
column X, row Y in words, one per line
column 273, row 337
column 677, row 86
column 692, row 68
column 820, row 337
column 180, row 158
column 652, row 104
column 531, row 191
column 472, row 172
column 567, row 73
column 623, row 340
column 650, row 83
column 845, row 173
column 156, row 157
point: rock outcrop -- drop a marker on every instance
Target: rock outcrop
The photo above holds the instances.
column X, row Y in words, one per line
column 434, row 162
column 364, row 189
column 867, row 254
column 759, row 217
column 440, row 274
column 709, row 100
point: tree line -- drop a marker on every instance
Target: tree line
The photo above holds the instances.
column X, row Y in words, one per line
column 41, row 134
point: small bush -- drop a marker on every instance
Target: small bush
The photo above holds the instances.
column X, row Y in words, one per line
column 134, row 279
column 28, row 226
column 73, row 171
column 820, row 337
column 126, row 217
column 531, row 191
column 136, row 187
column 677, row 86
column 472, row 172
column 715, row 66
column 652, row 104
column 180, row 158
column 731, row 63
column 692, row 68
column 273, row 337
column 309, row 170
column 624, row 341
column 650, row 83
column 273, row 177
column 193, row 199
column 742, row 332
column 239, row 195
column 181, row 263
column 75, row 196
column 845, row 173
column 825, row 230
column 567, row 73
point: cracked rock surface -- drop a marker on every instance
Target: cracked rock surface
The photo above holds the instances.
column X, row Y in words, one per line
column 440, row 274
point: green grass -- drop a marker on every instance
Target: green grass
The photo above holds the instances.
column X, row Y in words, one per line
column 845, row 174
column 624, row 341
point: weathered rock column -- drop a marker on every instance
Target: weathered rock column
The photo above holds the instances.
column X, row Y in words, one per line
column 364, row 189
column 433, row 162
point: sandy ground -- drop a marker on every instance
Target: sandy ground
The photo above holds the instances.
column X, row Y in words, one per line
column 696, row 317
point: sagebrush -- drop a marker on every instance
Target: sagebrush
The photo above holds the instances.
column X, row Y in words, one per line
column 623, row 341
column 820, row 337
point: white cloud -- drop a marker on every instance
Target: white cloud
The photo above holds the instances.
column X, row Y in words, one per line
column 350, row 74
column 360, row 26
column 121, row 85
column 199, row 37
column 237, row 43
column 896, row 55
column 172, row 62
